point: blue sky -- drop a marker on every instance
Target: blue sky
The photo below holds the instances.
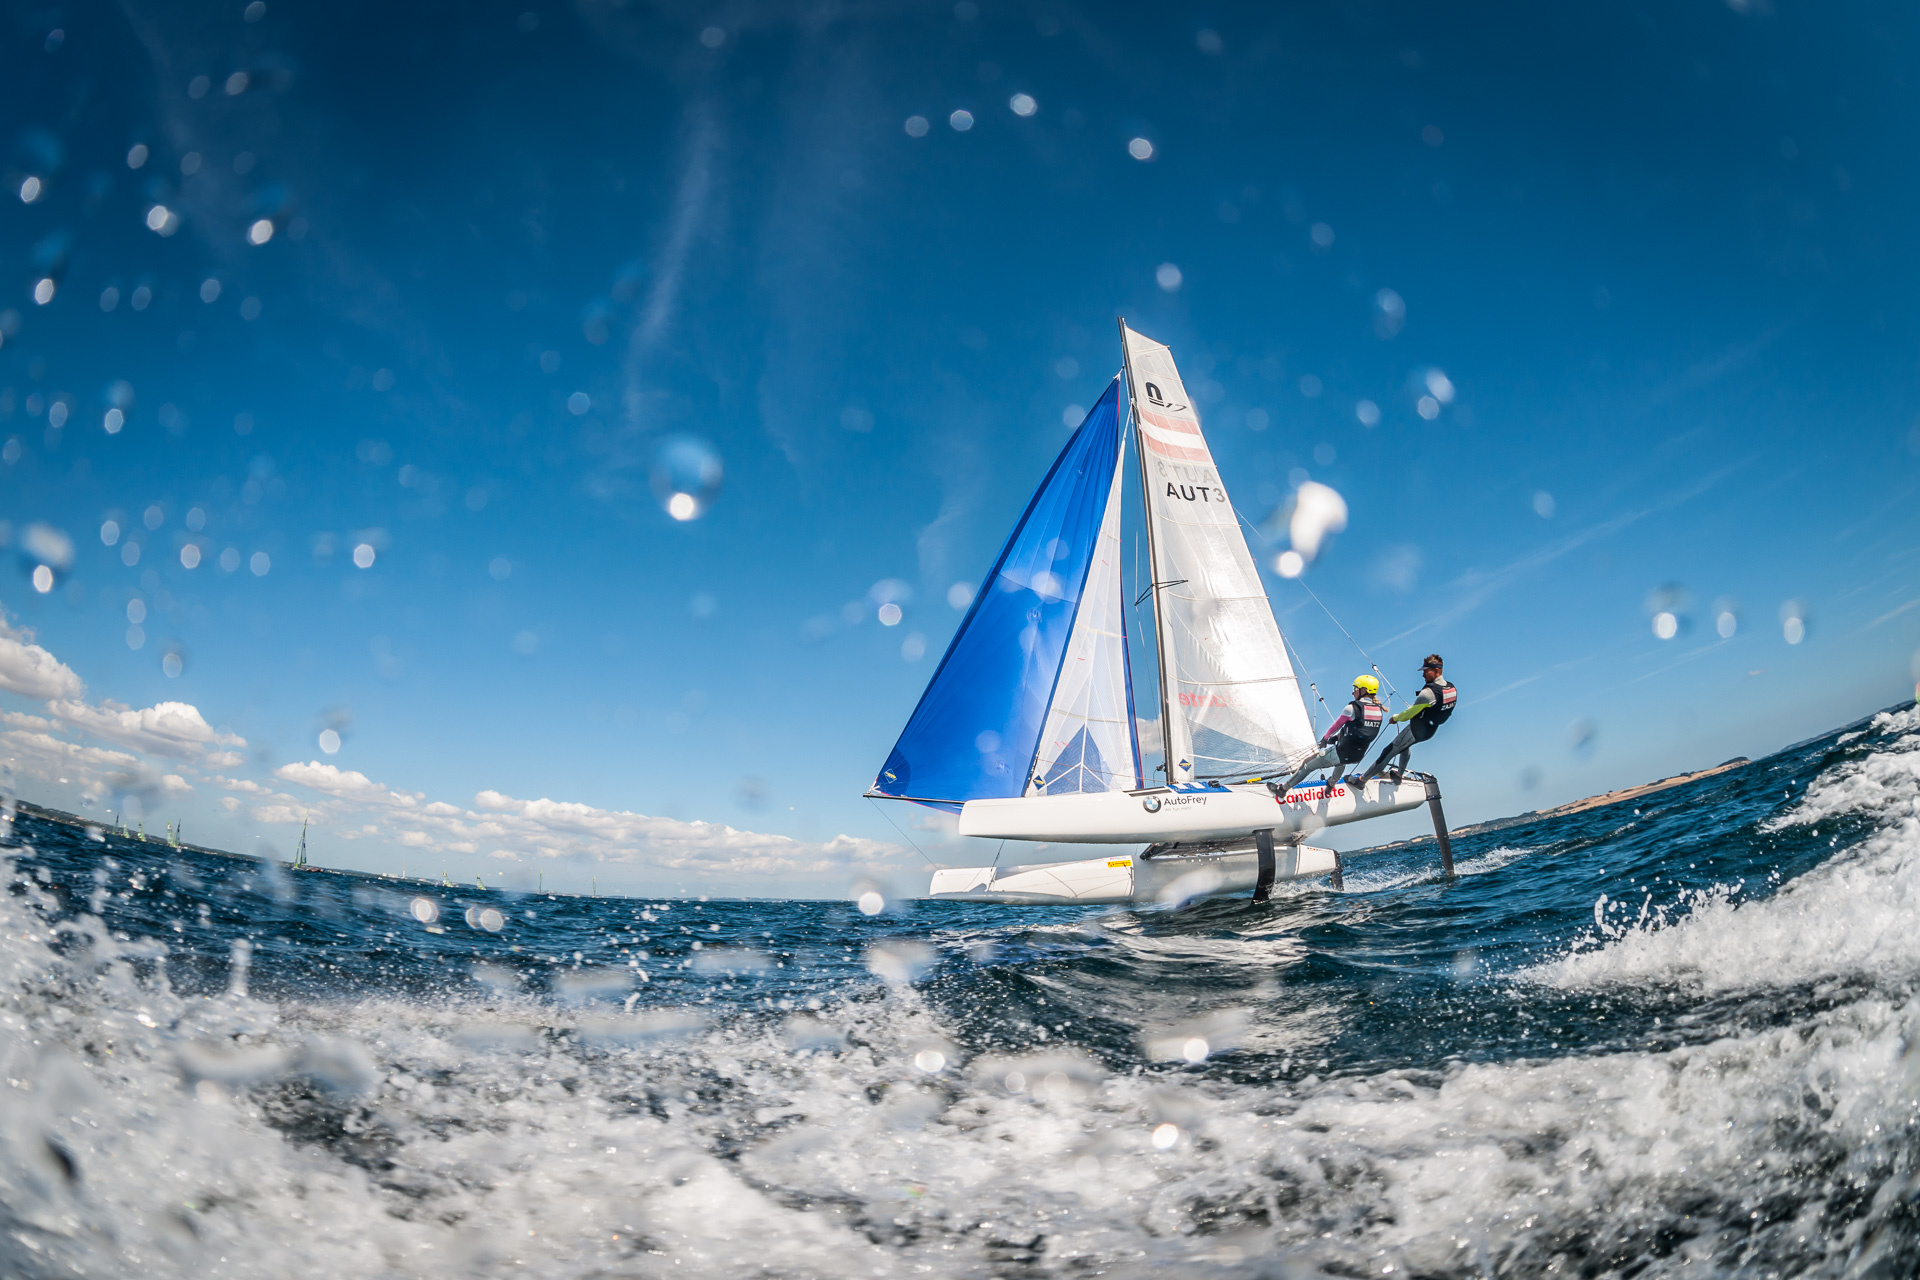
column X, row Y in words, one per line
column 516, row 261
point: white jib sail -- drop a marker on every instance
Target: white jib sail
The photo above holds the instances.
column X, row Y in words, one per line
column 1232, row 701
column 1087, row 743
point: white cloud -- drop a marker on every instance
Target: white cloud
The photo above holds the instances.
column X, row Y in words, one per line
column 173, row 729
column 354, row 806
column 347, row 784
column 42, row 755
column 536, row 830
column 30, row 671
column 563, row 829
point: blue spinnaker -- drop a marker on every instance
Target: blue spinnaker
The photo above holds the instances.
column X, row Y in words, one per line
column 978, row 725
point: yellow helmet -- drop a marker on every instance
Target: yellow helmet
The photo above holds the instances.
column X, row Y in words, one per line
column 1367, row 684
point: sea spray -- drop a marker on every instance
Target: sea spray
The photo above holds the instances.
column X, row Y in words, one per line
column 211, row 1074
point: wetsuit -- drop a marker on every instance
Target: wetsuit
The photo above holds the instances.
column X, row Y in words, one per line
column 1432, row 708
column 1346, row 739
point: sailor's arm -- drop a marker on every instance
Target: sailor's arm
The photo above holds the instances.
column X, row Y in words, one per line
column 1335, row 728
column 1420, row 704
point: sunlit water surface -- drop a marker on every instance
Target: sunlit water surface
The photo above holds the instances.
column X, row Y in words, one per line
column 1635, row 1041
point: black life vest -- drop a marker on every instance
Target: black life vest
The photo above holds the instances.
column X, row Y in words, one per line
column 1365, row 716
column 1442, row 709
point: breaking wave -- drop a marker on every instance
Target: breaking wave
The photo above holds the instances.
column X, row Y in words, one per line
column 1672, row 1040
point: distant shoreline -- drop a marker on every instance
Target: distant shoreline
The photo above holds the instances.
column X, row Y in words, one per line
column 1600, row 801
column 62, row 818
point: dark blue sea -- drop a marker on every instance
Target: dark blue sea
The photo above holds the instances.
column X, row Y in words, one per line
column 1666, row 1037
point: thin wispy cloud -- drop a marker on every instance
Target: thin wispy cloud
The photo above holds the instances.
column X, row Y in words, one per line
column 1474, row 589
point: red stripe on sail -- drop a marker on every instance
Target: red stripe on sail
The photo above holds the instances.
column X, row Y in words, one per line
column 1166, row 423
column 1175, row 452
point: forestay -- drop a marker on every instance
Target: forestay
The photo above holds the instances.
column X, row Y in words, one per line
column 1231, row 700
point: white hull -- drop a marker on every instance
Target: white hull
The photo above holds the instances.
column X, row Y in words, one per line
column 1171, row 878
column 1182, row 814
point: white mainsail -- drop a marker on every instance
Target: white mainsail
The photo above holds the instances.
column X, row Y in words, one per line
column 1230, row 699
column 1088, row 743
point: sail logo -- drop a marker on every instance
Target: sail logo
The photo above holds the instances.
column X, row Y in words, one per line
column 1203, row 700
column 1153, row 395
column 1193, row 492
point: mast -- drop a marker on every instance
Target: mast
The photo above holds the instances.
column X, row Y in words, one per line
column 1162, row 652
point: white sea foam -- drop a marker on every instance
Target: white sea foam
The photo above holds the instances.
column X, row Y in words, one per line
column 1851, row 917
column 1362, row 878
column 146, row 1133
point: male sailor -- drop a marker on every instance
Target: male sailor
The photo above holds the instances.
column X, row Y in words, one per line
column 1346, row 740
column 1431, row 708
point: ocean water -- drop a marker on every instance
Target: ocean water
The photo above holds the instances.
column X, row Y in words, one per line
column 1671, row 1037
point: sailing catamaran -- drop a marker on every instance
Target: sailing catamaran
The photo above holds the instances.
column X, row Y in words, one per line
column 1028, row 731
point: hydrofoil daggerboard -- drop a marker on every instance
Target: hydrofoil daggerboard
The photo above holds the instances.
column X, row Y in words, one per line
column 1027, row 729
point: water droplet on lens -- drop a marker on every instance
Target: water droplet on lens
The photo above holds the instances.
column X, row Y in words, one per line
column 686, row 477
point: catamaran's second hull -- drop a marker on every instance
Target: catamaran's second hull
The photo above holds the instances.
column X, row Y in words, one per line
column 1167, row 879
column 1167, row 815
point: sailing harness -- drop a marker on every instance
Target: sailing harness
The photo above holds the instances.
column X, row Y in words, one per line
column 1431, row 719
column 1364, row 716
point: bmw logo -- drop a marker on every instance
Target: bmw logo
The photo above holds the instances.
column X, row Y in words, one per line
column 1151, row 804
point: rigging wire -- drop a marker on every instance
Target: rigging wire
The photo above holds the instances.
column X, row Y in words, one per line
column 1392, row 692
column 903, row 835
column 1301, row 666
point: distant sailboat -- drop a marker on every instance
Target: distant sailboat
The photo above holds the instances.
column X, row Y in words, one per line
column 300, row 854
column 1027, row 729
